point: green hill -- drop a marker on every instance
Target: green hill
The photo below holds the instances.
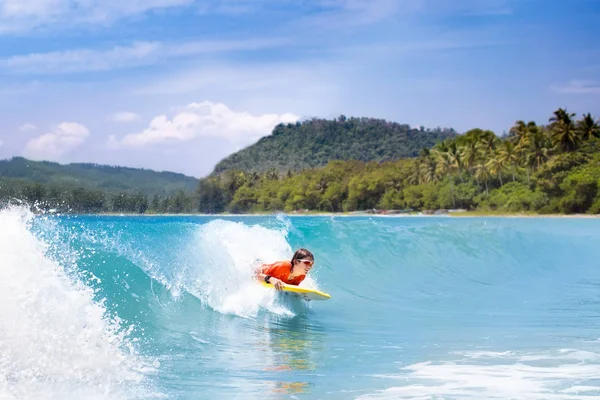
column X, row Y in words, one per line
column 110, row 179
column 315, row 142
column 546, row 169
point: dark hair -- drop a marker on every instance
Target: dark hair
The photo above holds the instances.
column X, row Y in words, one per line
column 301, row 254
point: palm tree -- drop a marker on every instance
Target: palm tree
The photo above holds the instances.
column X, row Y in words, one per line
column 522, row 132
column 445, row 164
column 564, row 135
column 534, row 149
column 253, row 178
column 428, row 173
column 427, row 166
column 518, row 132
column 455, row 159
column 538, row 151
column 444, row 168
column 415, row 177
column 561, row 115
column 487, row 144
column 440, row 149
column 234, row 180
column 482, row 173
column 487, row 147
column 470, row 153
column 509, row 156
column 588, row 127
column 496, row 166
column 272, row 174
column 428, row 169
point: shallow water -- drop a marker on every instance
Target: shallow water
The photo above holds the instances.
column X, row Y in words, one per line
column 101, row 307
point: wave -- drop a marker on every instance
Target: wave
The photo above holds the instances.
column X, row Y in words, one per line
column 56, row 340
column 135, row 307
column 561, row 374
column 83, row 303
column 220, row 265
column 212, row 262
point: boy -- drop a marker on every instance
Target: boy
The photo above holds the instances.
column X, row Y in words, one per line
column 292, row 272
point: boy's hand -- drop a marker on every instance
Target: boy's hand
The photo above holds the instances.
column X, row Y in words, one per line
column 277, row 283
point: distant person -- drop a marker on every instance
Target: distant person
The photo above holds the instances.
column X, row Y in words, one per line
column 287, row 272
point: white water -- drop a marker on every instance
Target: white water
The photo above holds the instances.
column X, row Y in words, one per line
column 561, row 375
column 56, row 342
column 220, row 270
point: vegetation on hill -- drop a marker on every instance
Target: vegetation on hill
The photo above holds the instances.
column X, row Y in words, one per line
column 547, row 169
column 93, row 188
column 316, row 142
column 553, row 168
column 94, row 176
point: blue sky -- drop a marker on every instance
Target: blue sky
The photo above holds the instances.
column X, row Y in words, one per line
column 178, row 84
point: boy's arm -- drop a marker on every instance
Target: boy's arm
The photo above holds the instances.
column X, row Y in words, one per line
column 261, row 275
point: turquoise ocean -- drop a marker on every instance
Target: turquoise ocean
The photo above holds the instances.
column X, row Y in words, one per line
column 119, row 307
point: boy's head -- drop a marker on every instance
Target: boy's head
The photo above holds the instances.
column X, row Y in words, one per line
column 302, row 261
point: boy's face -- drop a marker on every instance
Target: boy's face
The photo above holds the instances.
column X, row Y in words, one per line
column 304, row 265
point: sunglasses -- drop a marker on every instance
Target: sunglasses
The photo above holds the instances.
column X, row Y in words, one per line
column 307, row 262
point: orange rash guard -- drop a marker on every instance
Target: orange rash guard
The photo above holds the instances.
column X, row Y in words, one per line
column 281, row 270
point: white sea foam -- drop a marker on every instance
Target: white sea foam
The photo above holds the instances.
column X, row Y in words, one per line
column 563, row 374
column 56, row 342
column 220, row 270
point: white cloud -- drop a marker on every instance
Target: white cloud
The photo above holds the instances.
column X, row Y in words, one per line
column 28, row 127
column 351, row 14
column 467, row 7
column 206, row 119
column 312, row 80
column 51, row 146
column 18, row 16
column 578, row 87
column 125, row 116
column 24, row 15
column 357, row 12
column 68, row 61
column 1, row 143
column 119, row 57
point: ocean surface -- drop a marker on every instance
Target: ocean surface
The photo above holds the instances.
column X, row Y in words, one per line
column 110, row 307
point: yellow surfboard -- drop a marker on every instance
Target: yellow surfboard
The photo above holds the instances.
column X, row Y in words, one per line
column 305, row 293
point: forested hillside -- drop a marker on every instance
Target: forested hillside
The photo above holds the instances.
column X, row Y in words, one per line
column 94, row 188
column 553, row 168
column 315, row 142
column 93, row 176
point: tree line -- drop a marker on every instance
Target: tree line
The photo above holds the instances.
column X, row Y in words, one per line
column 552, row 168
column 76, row 199
column 93, row 176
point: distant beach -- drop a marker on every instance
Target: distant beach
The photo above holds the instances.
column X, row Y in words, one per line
column 461, row 214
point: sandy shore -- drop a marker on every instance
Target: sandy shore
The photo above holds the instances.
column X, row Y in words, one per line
column 483, row 215
column 466, row 214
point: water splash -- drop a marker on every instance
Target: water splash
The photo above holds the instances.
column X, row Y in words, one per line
column 220, row 267
column 563, row 374
column 56, row 341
